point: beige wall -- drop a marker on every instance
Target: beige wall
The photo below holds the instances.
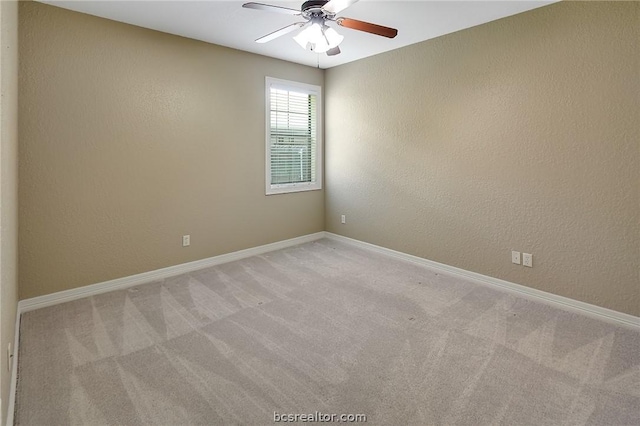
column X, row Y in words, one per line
column 130, row 138
column 521, row 134
column 8, row 188
column 514, row 135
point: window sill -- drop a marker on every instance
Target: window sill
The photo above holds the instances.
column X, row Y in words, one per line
column 286, row 189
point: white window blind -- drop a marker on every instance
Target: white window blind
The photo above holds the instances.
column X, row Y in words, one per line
column 292, row 137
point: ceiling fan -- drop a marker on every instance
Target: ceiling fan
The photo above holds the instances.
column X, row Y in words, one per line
column 318, row 36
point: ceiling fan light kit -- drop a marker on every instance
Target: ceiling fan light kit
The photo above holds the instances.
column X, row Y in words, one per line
column 318, row 36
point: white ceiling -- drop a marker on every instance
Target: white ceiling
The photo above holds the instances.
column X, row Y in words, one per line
column 227, row 23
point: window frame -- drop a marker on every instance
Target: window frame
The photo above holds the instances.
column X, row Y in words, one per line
column 285, row 188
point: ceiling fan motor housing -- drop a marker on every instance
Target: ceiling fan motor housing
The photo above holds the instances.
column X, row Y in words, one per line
column 313, row 8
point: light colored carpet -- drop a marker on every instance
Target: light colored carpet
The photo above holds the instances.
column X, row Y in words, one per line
column 322, row 327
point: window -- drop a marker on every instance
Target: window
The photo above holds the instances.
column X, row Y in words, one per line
column 294, row 138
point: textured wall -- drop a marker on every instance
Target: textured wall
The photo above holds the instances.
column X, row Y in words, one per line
column 521, row 134
column 130, row 138
column 8, row 188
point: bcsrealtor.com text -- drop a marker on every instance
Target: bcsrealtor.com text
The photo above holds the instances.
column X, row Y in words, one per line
column 318, row 417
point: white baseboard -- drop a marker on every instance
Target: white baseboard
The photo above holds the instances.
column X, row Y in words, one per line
column 14, row 372
column 130, row 281
column 159, row 274
column 531, row 293
column 146, row 277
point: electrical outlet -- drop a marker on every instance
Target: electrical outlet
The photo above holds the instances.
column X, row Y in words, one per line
column 186, row 240
column 527, row 260
column 515, row 257
column 343, row 219
column 9, row 356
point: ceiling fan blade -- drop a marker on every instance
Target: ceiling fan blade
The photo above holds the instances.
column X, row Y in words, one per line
column 270, row 8
column 281, row 32
column 336, row 6
column 334, row 51
column 367, row 27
